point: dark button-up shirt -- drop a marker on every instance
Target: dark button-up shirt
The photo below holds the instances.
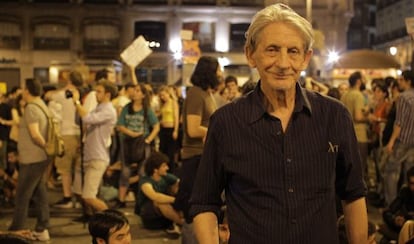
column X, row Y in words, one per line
column 280, row 186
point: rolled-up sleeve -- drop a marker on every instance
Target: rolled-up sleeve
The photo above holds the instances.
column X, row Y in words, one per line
column 98, row 116
column 209, row 183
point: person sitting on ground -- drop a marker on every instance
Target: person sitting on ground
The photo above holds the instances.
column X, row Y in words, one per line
column 17, row 237
column 402, row 208
column 156, row 194
column 109, row 227
column 10, row 175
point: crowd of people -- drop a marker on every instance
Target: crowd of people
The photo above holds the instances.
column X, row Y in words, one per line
column 273, row 161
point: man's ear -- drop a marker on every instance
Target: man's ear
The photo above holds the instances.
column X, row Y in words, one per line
column 250, row 60
column 308, row 56
column 100, row 240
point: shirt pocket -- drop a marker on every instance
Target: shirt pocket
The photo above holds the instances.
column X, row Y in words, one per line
column 316, row 172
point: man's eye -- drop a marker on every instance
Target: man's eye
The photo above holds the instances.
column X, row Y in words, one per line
column 272, row 50
column 294, row 51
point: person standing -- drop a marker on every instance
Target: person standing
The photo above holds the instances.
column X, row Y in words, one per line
column 169, row 123
column 5, row 114
column 99, row 124
column 138, row 126
column 33, row 163
column 199, row 105
column 354, row 101
column 401, row 144
column 281, row 153
column 70, row 132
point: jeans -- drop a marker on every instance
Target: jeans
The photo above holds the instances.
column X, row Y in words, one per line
column 402, row 156
column 32, row 185
column 188, row 235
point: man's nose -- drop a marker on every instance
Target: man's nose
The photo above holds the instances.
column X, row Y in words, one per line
column 282, row 61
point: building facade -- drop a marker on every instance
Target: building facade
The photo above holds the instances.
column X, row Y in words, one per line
column 46, row 39
column 392, row 36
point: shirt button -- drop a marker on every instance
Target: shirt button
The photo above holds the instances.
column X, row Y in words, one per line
column 290, row 190
column 288, row 160
column 279, row 133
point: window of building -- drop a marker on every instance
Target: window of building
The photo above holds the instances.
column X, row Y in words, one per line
column 154, row 32
column 101, row 38
column 237, row 38
column 142, row 74
column 247, row 3
column 152, row 75
column 204, row 32
column 51, row 36
column 101, row 1
column 159, row 76
column 198, row 2
column 10, row 35
column 150, row 1
column 41, row 74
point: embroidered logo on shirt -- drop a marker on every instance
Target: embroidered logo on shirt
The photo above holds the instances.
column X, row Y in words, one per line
column 332, row 147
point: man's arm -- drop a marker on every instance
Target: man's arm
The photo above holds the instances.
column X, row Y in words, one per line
column 395, row 134
column 194, row 127
column 155, row 196
column 35, row 134
column 153, row 134
column 133, row 75
column 206, row 228
column 356, row 221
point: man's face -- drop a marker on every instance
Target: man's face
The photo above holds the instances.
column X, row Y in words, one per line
column 100, row 93
column 130, row 92
column 402, row 83
column 11, row 157
column 121, row 236
column 163, row 169
column 279, row 57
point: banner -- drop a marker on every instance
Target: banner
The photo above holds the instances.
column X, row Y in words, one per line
column 191, row 51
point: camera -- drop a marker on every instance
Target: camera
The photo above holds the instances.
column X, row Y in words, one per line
column 68, row 94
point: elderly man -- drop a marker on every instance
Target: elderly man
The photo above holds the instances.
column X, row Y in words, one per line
column 281, row 153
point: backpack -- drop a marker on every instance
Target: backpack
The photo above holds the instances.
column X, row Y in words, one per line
column 54, row 143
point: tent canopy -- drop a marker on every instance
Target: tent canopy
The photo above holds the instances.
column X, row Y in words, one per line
column 366, row 59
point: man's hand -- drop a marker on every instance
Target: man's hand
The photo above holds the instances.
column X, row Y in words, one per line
column 76, row 95
column 388, row 147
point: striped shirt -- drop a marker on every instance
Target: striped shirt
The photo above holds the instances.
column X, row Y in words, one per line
column 405, row 117
column 280, row 186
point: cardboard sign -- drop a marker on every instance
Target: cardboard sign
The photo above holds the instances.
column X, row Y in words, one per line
column 409, row 24
column 135, row 53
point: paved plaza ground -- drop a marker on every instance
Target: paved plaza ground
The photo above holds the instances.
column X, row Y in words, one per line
column 64, row 231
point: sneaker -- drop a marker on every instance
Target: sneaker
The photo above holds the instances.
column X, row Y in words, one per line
column 119, row 204
column 41, row 236
column 64, row 203
column 173, row 229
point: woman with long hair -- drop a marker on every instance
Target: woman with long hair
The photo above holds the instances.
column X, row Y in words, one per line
column 198, row 106
column 138, row 126
column 169, row 120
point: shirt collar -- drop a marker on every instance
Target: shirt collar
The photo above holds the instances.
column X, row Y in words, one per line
column 259, row 110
